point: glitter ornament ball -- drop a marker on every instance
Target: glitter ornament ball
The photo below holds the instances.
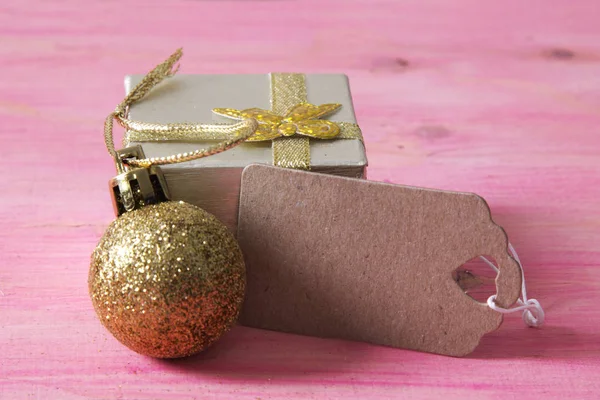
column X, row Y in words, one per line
column 167, row 280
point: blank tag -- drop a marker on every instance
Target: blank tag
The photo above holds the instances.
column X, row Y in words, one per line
column 353, row 259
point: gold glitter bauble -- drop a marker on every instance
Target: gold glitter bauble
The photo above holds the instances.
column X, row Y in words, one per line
column 167, row 280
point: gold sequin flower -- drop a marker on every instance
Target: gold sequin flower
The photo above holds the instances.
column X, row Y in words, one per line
column 302, row 119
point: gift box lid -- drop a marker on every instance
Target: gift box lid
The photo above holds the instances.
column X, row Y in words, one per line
column 191, row 98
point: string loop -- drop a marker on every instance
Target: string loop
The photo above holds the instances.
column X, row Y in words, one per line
column 533, row 313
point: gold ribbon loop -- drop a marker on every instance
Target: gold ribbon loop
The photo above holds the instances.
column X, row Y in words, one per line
column 232, row 134
column 163, row 70
column 137, row 131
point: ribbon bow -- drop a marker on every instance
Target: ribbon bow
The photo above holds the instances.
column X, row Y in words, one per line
column 301, row 119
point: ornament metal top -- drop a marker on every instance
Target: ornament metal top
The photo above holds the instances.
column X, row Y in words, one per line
column 167, row 279
column 134, row 188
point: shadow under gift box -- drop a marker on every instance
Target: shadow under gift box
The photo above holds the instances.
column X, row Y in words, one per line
column 213, row 183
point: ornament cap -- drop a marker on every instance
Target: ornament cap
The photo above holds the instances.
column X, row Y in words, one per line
column 134, row 188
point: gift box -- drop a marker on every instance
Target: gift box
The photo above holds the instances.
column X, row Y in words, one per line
column 213, row 183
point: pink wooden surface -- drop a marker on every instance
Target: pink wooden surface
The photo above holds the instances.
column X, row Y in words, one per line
column 501, row 99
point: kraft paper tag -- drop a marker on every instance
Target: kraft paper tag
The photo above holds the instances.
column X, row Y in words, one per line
column 353, row 259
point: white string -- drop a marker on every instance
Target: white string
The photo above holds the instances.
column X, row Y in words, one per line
column 533, row 313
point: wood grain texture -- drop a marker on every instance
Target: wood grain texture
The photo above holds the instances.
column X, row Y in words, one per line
column 499, row 98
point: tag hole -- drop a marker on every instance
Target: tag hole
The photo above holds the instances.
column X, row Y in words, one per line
column 476, row 278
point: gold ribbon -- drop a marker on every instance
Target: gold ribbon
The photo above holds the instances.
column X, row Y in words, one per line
column 233, row 134
column 291, row 149
column 287, row 90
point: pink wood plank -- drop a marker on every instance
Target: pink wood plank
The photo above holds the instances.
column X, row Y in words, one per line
column 499, row 98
